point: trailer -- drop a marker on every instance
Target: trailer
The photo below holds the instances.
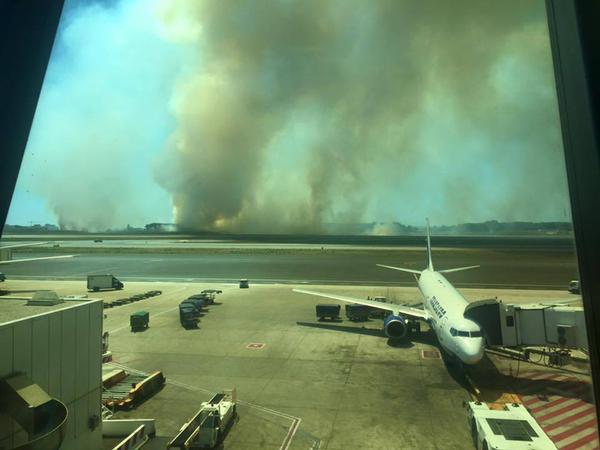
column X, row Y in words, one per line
column 207, row 428
column 508, row 428
column 328, row 311
column 188, row 315
column 97, row 282
column 122, row 390
column 200, row 299
column 139, row 320
column 357, row 313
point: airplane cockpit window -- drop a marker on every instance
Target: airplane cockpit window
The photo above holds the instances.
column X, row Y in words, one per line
column 279, row 211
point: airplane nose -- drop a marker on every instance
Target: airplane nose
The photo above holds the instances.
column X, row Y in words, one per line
column 472, row 352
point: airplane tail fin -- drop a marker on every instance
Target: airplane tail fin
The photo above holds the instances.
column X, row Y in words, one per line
column 430, row 263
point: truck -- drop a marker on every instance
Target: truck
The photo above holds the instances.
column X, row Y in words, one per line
column 574, row 287
column 97, row 282
column 509, row 427
column 207, row 428
column 188, row 315
column 357, row 313
column 139, row 320
column 244, row 284
column 330, row 311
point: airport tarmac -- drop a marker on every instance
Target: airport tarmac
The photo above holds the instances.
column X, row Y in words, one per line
column 506, row 267
column 305, row 384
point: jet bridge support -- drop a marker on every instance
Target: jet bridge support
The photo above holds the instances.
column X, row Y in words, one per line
column 531, row 325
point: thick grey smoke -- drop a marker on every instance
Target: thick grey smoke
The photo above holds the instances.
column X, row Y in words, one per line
column 304, row 112
column 284, row 115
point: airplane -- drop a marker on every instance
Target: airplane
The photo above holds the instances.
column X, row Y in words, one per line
column 6, row 255
column 443, row 310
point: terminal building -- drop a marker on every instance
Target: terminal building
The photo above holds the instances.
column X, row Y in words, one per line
column 51, row 374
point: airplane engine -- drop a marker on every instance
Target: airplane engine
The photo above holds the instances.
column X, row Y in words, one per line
column 396, row 327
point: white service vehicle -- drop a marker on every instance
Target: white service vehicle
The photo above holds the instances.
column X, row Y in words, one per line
column 206, row 429
column 510, row 428
column 97, row 282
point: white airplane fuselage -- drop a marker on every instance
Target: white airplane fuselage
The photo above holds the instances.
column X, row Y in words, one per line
column 457, row 335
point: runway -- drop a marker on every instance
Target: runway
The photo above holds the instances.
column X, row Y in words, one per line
column 515, row 268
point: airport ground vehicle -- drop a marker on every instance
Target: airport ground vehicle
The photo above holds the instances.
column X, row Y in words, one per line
column 97, row 282
column 139, row 320
column 357, row 312
column 122, row 390
column 204, row 298
column 211, row 294
column 508, row 428
column 328, row 311
column 244, row 283
column 188, row 315
column 207, row 427
column 2, row 277
column 574, row 287
column 197, row 302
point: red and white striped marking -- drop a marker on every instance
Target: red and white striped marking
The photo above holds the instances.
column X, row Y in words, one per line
column 563, row 407
column 134, row 441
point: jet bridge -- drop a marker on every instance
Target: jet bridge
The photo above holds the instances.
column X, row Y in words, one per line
column 539, row 325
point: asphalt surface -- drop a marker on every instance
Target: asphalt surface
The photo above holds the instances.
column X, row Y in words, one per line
column 301, row 383
column 519, row 268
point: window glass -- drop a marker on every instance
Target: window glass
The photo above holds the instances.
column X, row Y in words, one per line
column 296, row 166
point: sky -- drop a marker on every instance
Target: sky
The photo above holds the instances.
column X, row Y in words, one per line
column 281, row 116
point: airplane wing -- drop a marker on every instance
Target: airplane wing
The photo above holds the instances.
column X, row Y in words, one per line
column 12, row 261
column 395, row 309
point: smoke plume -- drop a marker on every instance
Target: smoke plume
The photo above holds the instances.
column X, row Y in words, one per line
column 305, row 112
column 285, row 115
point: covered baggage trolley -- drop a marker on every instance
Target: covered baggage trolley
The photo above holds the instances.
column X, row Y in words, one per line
column 139, row 320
